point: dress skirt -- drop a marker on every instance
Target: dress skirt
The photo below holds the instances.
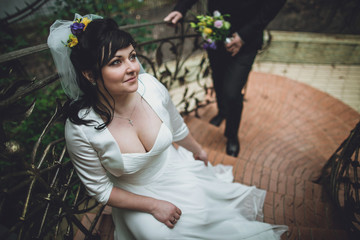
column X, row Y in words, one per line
column 212, row 205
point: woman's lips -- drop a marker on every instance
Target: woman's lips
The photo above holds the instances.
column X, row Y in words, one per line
column 131, row 79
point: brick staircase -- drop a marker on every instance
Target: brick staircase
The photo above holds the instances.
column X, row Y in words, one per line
column 298, row 203
column 288, row 132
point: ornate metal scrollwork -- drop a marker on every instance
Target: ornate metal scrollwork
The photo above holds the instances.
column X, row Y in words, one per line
column 340, row 176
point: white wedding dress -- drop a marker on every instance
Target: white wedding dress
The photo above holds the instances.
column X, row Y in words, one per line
column 213, row 207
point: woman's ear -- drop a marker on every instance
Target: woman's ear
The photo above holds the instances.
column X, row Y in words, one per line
column 89, row 76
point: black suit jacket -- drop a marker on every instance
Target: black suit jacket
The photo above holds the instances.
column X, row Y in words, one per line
column 248, row 18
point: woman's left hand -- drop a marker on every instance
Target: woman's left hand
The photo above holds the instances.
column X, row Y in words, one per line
column 193, row 146
column 202, row 156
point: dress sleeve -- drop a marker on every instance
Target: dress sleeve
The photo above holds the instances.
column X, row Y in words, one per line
column 174, row 120
column 87, row 163
column 180, row 129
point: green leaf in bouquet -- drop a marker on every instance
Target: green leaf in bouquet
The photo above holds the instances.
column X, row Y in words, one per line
column 227, row 25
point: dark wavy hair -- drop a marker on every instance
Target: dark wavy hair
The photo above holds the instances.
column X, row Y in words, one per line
column 96, row 47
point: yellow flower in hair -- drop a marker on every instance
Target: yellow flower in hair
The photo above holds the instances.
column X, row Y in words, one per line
column 85, row 21
column 73, row 41
column 78, row 26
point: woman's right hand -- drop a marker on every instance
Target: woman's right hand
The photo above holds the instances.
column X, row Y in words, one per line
column 166, row 213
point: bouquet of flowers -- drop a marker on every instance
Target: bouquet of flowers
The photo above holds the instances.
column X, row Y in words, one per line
column 212, row 28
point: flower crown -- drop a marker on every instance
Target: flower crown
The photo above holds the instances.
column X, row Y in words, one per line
column 76, row 28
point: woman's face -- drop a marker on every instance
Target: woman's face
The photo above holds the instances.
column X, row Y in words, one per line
column 121, row 73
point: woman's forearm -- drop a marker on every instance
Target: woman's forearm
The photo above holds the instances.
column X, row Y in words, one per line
column 163, row 211
column 190, row 144
column 193, row 146
column 123, row 199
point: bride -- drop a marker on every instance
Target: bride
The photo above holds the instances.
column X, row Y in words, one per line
column 119, row 133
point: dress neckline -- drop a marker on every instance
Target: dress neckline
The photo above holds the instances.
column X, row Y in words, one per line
column 147, row 98
column 157, row 136
column 151, row 150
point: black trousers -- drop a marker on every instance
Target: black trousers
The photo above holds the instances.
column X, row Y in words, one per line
column 230, row 75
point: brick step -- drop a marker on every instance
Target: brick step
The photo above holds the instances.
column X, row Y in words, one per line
column 282, row 155
column 293, row 211
column 253, row 173
column 87, row 220
column 296, row 146
column 289, row 200
column 308, row 233
column 106, row 229
column 268, row 179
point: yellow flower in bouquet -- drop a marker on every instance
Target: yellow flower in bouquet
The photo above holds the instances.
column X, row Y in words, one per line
column 207, row 31
column 212, row 28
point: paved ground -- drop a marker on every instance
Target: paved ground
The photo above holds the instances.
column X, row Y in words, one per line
column 287, row 124
column 339, row 81
column 289, row 130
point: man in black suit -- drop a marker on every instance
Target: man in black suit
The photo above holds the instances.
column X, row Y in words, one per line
column 231, row 62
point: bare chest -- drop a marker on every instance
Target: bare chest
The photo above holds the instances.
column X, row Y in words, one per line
column 137, row 135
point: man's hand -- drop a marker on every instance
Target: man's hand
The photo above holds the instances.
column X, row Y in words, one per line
column 234, row 45
column 173, row 17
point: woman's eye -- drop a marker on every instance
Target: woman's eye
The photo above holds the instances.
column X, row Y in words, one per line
column 133, row 56
column 115, row 62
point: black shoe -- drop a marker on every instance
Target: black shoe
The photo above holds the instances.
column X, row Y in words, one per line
column 232, row 147
column 217, row 120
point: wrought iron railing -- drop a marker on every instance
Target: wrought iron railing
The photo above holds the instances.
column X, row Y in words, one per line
column 23, row 13
column 341, row 178
column 40, row 194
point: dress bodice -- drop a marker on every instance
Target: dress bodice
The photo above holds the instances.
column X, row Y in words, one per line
column 141, row 168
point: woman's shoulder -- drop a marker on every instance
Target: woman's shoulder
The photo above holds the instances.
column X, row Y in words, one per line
column 86, row 114
column 151, row 85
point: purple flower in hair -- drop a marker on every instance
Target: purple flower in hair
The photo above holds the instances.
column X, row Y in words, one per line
column 77, row 28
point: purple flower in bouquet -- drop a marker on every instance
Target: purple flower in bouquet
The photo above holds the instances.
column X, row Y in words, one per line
column 218, row 23
column 209, row 44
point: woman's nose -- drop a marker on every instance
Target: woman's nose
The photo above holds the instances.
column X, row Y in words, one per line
column 132, row 66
